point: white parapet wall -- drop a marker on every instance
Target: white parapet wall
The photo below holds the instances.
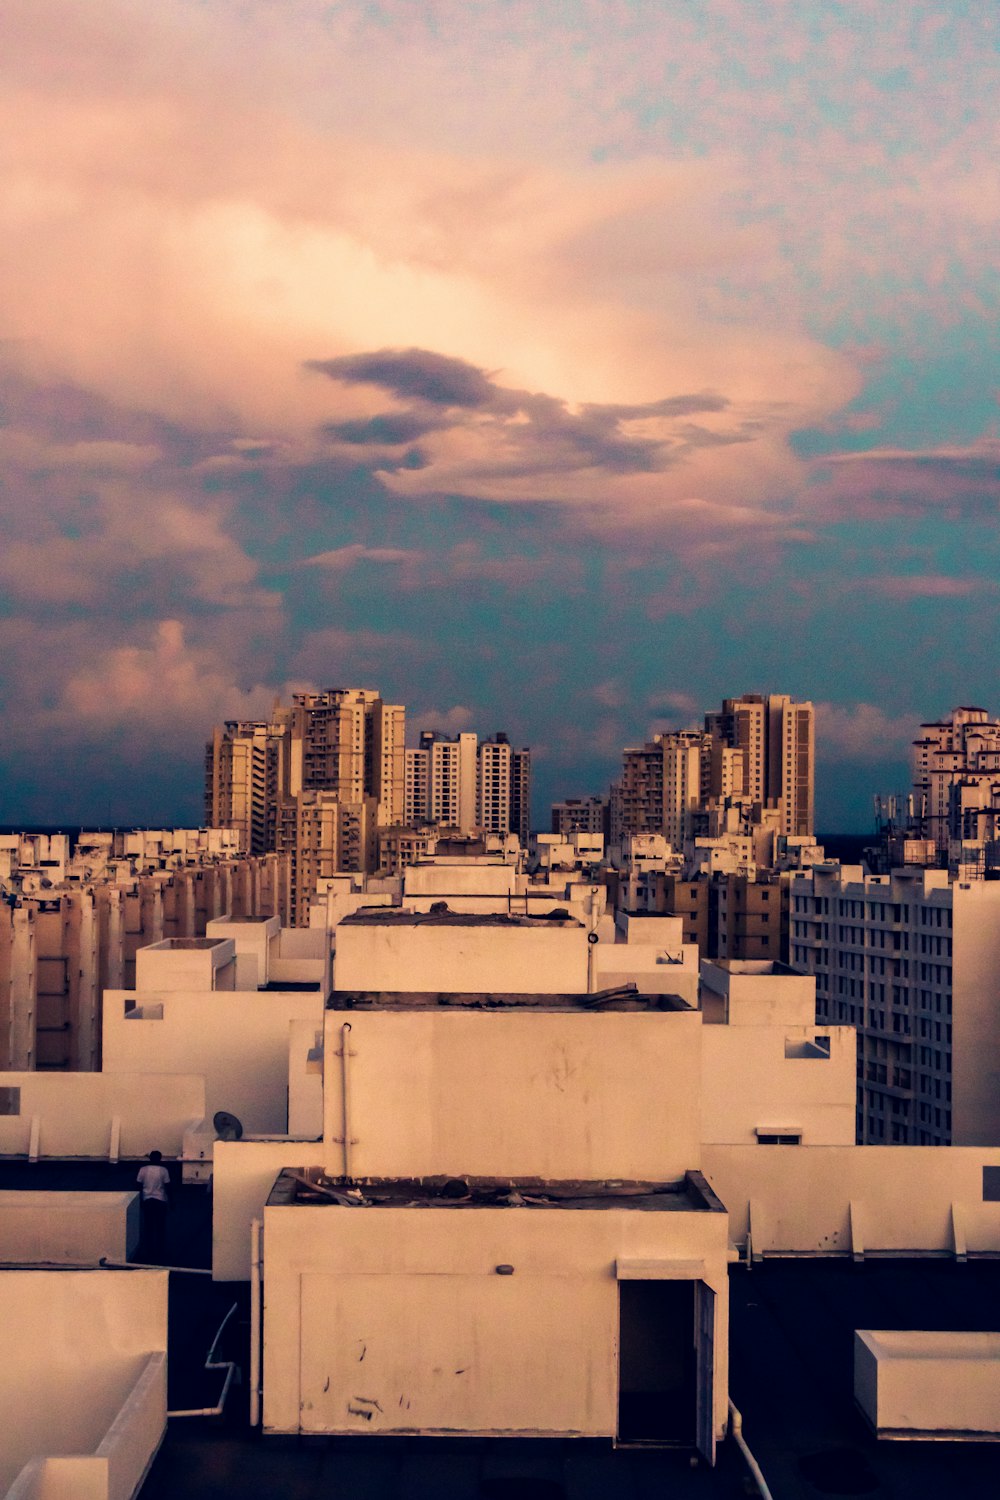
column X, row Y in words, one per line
column 243, row 1175
column 405, row 950
column 490, row 1321
column 859, row 1200
column 83, row 1381
column 564, row 1092
column 237, row 1040
column 100, row 1115
column 915, row 1384
column 68, row 1228
column 778, row 1079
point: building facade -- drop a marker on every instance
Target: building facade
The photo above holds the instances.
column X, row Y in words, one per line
column 315, row 782
column 912, row 961
column 470, row 785
column 956, row 775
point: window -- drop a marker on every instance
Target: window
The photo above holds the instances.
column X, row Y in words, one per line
column 789, row 1138
column 10, row 1101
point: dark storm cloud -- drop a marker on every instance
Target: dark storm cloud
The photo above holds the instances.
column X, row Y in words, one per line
column 413, row 373
column 391, row 428
column 543, row 434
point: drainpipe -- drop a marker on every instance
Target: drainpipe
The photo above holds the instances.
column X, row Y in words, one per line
column 736, row 1431
column 345, row 1075
column 255, row 1311
column 211, row 1363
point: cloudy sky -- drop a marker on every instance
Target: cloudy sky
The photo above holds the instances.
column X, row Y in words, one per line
column 554, row 367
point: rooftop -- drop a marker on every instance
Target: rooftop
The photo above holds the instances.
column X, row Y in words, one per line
column 310, row 1186
column 621, row 998
column 753, row 967
column 184, row 945
column 792, row 1338
column 396, row 916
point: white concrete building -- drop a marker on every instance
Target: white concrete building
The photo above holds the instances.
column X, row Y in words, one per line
column 186, row 1016
column 912, row 961
column 770, row 1074
column 68, row 1228
column 83, row 1381
column 498, row 1308
column 956, row 779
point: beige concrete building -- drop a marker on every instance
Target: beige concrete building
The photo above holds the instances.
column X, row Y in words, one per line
column 755, row 759
column 956, row 769
column 83, row 1381
column 242, row 774
column 187, row 1016
column 62, row 943
column 912, row 961
column 441, row 781
column 315, row 781
column 581, row 815
column 770, row 1074
column 776, row 738
column 516, row 1309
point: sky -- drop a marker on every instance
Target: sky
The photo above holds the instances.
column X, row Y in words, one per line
column 558, row 368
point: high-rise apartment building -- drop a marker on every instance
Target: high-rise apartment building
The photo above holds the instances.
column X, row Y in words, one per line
column 956, row 766
column 776, row 738
column 458, row 782
column 242, row 768
column 452, row 780
column 314, row 781
column 757, row 751
column 580, row 815
column 664, row 784
column 912, row 961
column 520, row 794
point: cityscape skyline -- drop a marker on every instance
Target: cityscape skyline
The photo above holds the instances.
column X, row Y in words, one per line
column 657, row 358
column 546, row 789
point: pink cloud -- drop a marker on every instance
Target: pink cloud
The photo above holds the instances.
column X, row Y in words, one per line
column 340, row 559
column 927, row 586
column 455, row 720
column 862, row 731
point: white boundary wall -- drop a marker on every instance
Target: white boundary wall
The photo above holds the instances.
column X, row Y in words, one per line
column 75, row 1114
column 68, row 1228
column 83, row 1381
column 243, row 1176
column 842, row 1200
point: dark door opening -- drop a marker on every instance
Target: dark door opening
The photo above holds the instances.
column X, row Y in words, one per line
column 657, row 1362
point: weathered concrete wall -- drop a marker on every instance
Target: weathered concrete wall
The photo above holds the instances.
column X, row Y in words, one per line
column 557, row 1094
column 819, row 1200
column 399, row 1313
column 76, row 1345
column 243, row 1175
column 237, row 1041
column 68, row 1228
column 747, row 1082
column 76, row 1112
column 547, row 959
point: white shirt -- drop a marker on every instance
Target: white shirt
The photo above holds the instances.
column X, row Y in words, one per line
column 154, row 1180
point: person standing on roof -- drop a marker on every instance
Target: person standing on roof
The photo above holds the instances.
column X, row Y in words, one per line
column 154, row 1180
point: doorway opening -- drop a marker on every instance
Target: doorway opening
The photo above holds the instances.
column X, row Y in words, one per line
column 657, row 1363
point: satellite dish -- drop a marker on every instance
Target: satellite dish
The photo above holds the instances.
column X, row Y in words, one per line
column 227, row 1126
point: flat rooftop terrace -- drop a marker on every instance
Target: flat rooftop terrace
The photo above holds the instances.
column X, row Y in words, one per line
column 308, row 1186
column 403, row 916
column 621, row 998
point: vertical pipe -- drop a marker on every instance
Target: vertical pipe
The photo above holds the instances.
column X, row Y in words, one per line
column 345, row 1074
column 255, row 1320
